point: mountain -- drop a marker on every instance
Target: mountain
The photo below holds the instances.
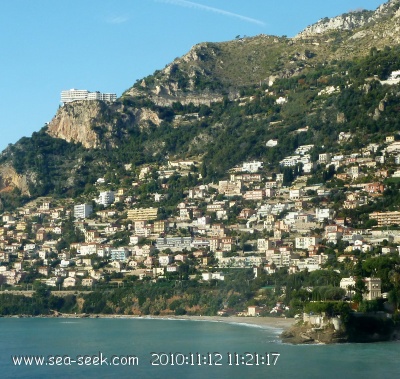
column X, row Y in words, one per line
column 354, row 20
column 219, row 104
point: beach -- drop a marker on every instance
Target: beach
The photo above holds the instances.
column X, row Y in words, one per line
column 268, row 322
column 271, row 322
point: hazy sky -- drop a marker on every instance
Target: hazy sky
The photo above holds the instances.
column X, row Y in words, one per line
column 106, row 45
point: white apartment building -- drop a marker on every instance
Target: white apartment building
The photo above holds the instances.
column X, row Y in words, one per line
column 306, row 242
column 295, row 194
column 324, row 213
column 119, row 254
column 308, row 167
column 303, row 149
column 252, row 166
column 293, row 160
column 106, row 198
column 83, row 210
column 73, row 94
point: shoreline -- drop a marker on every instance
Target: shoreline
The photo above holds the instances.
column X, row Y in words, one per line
column 262, row 322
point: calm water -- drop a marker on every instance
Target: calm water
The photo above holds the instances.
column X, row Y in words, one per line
column 141, row 337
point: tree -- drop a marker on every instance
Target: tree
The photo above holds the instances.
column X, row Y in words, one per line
column 203, row 170
column 360, row 289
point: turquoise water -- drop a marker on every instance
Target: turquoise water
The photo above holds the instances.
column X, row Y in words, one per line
column 138, row 338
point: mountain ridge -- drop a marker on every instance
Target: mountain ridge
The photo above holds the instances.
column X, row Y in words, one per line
column 213, row 92
column 352, row 20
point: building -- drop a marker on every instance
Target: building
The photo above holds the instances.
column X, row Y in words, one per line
column 70, row 282
column 83, row 210
column 139, row 214
column 322, row 214
column 174, row 243
column 165, row 260
column 254, row 195
column 306, row 242
column 68, row 96
column 324, row 157
column 386, row 218
column 295, row 194
column 229, row 188
column 106, row 198
column 119, row 254
column 159, row 226
column 272, row 143
column 252, row 166
column 373, row 287
column 253, row 310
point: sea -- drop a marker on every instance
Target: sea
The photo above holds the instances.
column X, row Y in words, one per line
column 161, row 348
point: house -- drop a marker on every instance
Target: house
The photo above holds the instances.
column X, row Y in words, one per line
column 246, row 213
column 165, row 260
column 172, row 268
column 253, row 310
column 91, row 235
column 213, row 275
column 373, row 287
column 149, row 262
column 272, row 143
column 88, row 282
column 373, row 188
column 41, row 235
column 324, row 158
column 70, row 282
column 181, row 257
column 53, row 281
column 295, row 194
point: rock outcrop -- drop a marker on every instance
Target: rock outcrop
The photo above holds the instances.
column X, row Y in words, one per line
column 76, row 122
column 10, row 179
column 344, row 22
column 352, row 20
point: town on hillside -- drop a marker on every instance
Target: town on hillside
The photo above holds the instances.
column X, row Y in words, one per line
column 251, row 220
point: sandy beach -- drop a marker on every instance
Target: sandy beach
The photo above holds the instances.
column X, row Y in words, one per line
column 273, row 322
column 269, row 322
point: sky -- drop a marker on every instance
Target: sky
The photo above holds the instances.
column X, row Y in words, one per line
column 107, row 45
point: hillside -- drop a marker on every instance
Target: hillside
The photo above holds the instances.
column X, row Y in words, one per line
column 259, row 176
column 218, row 104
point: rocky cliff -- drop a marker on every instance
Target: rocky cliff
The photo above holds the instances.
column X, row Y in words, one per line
column 96, row 124
column 76, row 122
column 358, row 327
column 10, row 179
column 353, row 20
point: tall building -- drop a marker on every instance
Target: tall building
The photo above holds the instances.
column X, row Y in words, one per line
column 68, row 96
column 83, row 210
column 106, row 198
